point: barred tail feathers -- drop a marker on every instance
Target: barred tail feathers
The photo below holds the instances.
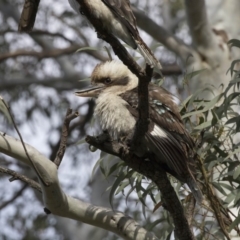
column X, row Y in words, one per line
column 148, row 55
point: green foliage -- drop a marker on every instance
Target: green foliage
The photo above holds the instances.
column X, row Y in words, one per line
column 217, row 122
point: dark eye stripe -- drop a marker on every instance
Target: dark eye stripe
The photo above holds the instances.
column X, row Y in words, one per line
column 121, row 81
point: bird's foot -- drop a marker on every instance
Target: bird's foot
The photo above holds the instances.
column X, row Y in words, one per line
column 103, row 137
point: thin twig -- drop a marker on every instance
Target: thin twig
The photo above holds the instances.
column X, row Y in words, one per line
column 14, row 197
column 80, row 124
column 189, row 208
column 23, row 144
column 53, row 53
column 38, row 32
column 214, row 202
column 17, row 176
column 70, row 115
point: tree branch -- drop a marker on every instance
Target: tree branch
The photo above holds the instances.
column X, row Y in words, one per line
column 14, row 197
column 53, row 53
column 66, row 66
column 72, row 82
column 28, row 15
column 70, row 115
column 155, row 172
column 23, row 143
column 59, row 83
column 163, row 36
column 171, row 69
column 17, row 176
column 201, row 32
column 52, row 34
column 214, row 201
column 143, row 109
column 63, row 205
column 38, row 32
column 79, row 124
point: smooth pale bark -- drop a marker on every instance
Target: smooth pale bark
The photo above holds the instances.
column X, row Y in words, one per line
column 63, row 205
column 209, row 49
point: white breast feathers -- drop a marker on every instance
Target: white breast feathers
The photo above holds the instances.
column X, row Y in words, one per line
column 114, row 115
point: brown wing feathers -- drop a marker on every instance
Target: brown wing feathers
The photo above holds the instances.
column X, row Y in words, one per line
column 167, row 137
column 164, row 117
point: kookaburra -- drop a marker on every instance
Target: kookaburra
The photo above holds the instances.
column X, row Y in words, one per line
column 118, row 19
column 167, row 140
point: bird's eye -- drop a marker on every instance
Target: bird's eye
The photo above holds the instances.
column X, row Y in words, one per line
column 107, row 80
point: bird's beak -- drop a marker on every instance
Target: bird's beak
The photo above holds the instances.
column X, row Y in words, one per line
column 92, row 91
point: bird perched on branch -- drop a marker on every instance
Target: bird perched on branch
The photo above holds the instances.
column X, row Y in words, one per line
column 118, row 19
column 115, row 88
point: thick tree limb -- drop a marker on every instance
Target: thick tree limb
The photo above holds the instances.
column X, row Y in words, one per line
column 63, row 205
column 201, row 32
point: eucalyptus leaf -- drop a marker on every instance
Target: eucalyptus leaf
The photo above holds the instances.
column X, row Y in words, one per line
column 231, row 69
column 219, row 188
column 115, row 167
column 234, row 43
column 236, row 172
column 116, row 184
column 235, row 80
column 150, row 226
column 97, row 164
column 234, row 223
column 139, row 189
column 230, row 198
column 192, row 74
column 123, row 185
column 90, row 49
column 5, row 109
column 203, row 125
